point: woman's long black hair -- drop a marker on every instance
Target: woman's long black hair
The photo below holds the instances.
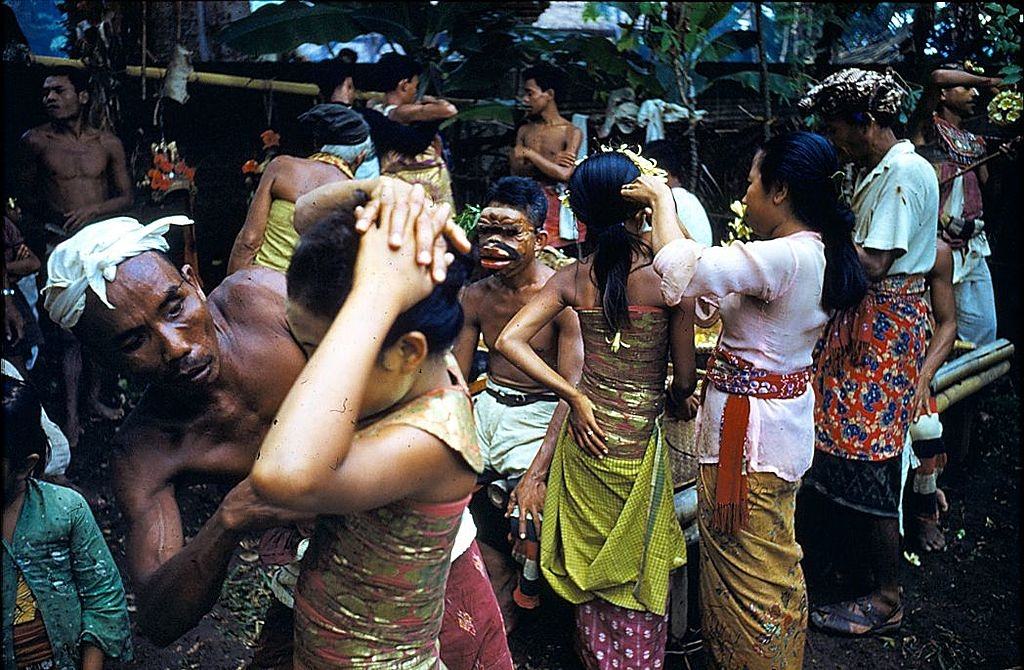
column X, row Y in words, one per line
column 807, row 164
column 595, row 199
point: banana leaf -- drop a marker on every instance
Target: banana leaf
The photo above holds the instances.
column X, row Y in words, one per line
column 277, row 28
column 492, row 110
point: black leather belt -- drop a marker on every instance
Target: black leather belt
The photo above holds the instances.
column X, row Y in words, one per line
column 520, row 399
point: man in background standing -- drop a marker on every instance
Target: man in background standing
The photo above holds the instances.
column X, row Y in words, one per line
column 71, row 175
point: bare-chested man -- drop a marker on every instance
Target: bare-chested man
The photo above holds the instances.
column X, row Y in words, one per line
column 513, row 413
column 547, row 144
column 71, row 175
column 219, row 368
column 268, row 237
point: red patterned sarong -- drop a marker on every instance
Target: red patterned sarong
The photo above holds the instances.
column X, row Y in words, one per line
column 866, row 366
column 610, row 637
column 730, row 374
column 472, row 631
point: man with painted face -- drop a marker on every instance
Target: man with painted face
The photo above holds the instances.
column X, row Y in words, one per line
column 513, row 414
column 71, row 174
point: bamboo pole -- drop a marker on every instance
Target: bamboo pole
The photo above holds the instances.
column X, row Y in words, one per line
column 970, row 364
column 211, row 78
column 970, row 386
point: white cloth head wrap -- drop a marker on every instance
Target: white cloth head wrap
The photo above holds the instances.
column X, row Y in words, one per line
column 89, row 259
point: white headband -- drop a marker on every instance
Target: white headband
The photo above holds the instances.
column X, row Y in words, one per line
column 89, row 259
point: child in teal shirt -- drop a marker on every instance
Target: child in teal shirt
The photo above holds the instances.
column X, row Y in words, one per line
column 63, row 601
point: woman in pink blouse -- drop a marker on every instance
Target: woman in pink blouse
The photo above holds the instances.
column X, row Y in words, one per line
column 755, row 432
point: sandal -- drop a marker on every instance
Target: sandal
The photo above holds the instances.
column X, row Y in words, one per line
column 856, row 618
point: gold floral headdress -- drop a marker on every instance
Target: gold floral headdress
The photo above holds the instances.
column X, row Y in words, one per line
column 647, row 166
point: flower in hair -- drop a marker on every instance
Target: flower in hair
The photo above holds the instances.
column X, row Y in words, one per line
column 645, row 165
column 738, row 229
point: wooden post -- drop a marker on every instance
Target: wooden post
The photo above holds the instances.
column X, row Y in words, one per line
column 766, row 100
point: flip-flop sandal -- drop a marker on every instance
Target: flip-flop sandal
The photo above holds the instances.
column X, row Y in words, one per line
column 840, row 618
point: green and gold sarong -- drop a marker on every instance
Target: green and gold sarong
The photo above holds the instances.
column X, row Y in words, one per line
column 609, row 528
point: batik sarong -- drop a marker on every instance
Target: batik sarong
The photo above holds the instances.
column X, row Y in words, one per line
column 371, row 590
column 752, row 593
column 472, row 632
column 865, row 371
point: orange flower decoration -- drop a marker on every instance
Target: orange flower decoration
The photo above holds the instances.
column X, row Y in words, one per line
column 250, row 166
column 270, row 139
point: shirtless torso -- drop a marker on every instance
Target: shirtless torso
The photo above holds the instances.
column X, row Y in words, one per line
column 489, row 305
column 72, row 175
column 546, row 151
column 210, row 433
column 286, row 178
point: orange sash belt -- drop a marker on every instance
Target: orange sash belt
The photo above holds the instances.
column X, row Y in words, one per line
column 741, row 380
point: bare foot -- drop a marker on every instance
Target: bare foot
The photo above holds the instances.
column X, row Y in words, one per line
column 940, row 500
column 105, row 412
column 928, row 534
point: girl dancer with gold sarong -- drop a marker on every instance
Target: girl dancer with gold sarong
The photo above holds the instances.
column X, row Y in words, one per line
column 609, row 536
column 377, row 437
column 755, row 431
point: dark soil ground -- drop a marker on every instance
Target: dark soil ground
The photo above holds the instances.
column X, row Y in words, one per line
column 962, row 606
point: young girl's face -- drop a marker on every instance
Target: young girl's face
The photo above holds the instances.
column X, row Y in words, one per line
column 388, row 383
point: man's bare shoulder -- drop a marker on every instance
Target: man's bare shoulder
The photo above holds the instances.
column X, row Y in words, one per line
column 247, row 286
column 36, row 137
column 109, row 140
column 148, row 429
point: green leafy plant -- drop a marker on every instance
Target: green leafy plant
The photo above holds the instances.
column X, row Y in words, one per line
column 468, row 218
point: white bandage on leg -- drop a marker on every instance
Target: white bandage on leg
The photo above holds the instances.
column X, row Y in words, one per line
column 924, row 484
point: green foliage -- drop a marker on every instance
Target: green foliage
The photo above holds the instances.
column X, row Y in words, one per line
column 1002, row 31
column 468, row 218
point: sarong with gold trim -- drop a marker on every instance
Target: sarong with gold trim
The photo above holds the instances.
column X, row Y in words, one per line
column 752, row 593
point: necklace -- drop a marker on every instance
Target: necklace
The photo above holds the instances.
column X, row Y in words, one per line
column 331, row 159
column 962, row 146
